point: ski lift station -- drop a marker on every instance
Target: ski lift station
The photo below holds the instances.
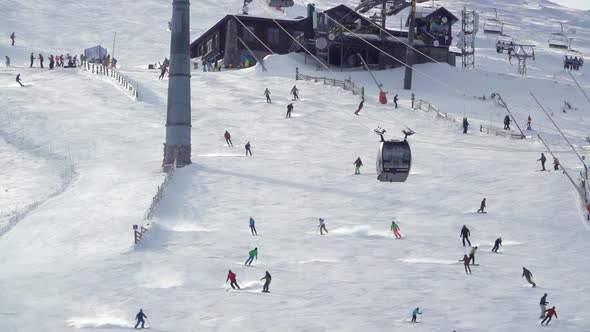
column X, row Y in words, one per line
column 335, row 36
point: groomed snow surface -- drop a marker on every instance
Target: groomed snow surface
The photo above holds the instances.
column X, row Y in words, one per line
column 91, row 157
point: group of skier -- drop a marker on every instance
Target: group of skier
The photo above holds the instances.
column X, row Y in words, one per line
column 228, row 141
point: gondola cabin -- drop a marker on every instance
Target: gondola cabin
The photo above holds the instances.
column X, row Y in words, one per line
column 394, row 160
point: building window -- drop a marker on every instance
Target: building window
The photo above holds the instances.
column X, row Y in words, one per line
column 209, row 45
column 272, row 36
column 247, row 35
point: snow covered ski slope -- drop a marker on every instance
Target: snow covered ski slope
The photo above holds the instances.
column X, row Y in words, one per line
column 91, row 156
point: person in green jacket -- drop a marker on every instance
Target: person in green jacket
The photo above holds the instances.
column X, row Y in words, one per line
column 472, row 255
column 415, row 313
column 267, row 94
column 253, row 254
column 395, row 230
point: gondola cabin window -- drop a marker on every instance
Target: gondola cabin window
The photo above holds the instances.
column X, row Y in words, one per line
column 272, row 36
column 248, row 34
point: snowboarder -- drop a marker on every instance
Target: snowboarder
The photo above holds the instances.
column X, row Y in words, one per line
column 395, row 99
column 395, row 230
column 227, row 137
column 163, row 71
column 465, row 125
column 12, row 38
column 253, row 227
column 528, row 275
column 41, row 58
column 267, row 94
column 32, row 60
column 267, row 278
column 542, row 160
column 360, row 106
column 465, row 233
column 497, row 245
column 528, row 123
column 506, row 122
column 18, row 80
column 7, row 62
column 550, row 313
column 357, row 165
column 252, row 254
column 465, row 261
column 295, row 93
column 555, row 164
column 322, row 227
column 248, row 150
column 472, row 255
column 232, row 278
column 543, row 304
column 289, row 110
column 482, row 206
column 140, row 318
column 415, row 313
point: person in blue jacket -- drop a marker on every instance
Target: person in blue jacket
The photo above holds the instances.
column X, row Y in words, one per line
column 140, row 319
column 252, row 227
column 415, row 313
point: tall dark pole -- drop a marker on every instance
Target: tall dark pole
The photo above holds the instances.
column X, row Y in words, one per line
column 410, row 56
column 177, row 149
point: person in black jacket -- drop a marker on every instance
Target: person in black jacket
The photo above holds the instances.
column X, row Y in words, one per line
column 140, row 318
column 32, row 60
column 482, row 206
column 528, row 275
column 543, row 304
column 395, row 99
column 289, row 110
column 543, row 159
column 267, row 278
column 506, row 122
column 465, row 125
column 248, row 150
column 18, row 80
column 497, row 244
column 360, row 106
column 465, row 235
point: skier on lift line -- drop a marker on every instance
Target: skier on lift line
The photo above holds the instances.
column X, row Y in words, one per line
column 295, row 92
column 497, row 245
column 253, row 227
column 395, row 230
column 543, row 159
column 482, row 206
column 322, row 227
column 465, row 233
column 528, row 275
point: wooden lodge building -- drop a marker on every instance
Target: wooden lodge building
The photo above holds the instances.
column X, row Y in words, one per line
column 231, row 41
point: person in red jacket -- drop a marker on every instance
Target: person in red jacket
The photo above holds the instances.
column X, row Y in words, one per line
column 466, row 261
column 550, row 313
column 232, row 277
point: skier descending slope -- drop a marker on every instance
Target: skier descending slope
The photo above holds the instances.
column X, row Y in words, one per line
column 267, row 95
column 543, row 304
column 322, row 227
column 550, row 313
column 289, row 110
column 253, row 227
column 415, row 313
column 482, row 206
column 227, row 137
column 267, row 278
column 543, row 159
column 252, row 254
column 357, row 166
column 140, row 319
column 472, row 255
column 19, row 81
column 232, row 278
column 497, row 245
column 248, row 148
column 360, row 106
column 465, row 233
column 465, row 261
column 528, row 275
column 395, row 230
column 295, row 92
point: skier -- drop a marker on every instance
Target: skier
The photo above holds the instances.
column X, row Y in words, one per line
column 465, row 125
column 140, row 319
column 41, row 59
column 497, row 245
column 267, row 278
column 482, row 206
column 395, row 230
column 252, row 227
column 555, row 164
column 543, row 304
column 51, row 61
column 267, row 94
column 163, row 71
column 289, row 110
column 465, row 261
column 395, row 99
column 12, row 38
column 252, row 254
column 232, row 278
column 465, row 233
column 357, row 165
column 61, row 60
column 542, row 160
column 360, row 106
column 528, row 275
column 506, row 122
column 295, row 93
column 528, row 123
column 227, row 137
column 18, row 80
column 32, row 60
column 247, row 146
column 415, row 313
column 472, row 255
column 322, row 227
column 550, row 313
column 7, row 62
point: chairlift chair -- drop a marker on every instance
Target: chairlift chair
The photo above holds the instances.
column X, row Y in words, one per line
column 505, row 43
column 493, row 25
column 558, row 39
column 394, row 158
